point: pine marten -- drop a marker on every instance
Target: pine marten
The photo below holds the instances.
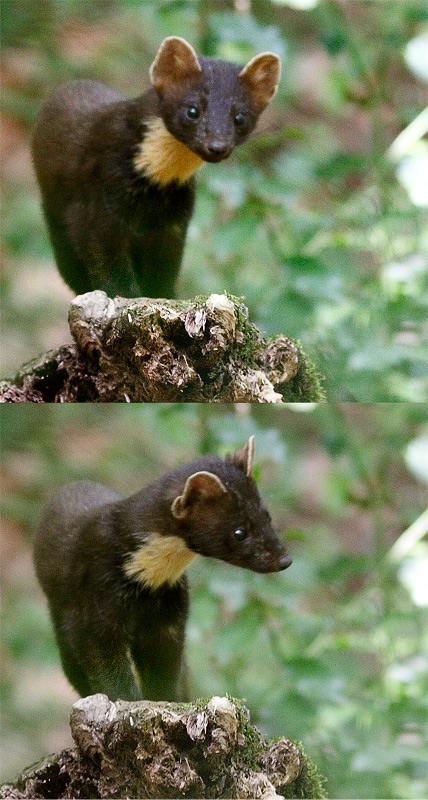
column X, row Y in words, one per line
column 113, row 569
column 116, row 175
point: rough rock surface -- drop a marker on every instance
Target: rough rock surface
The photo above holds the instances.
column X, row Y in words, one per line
column 144, row 350
column 166, row 750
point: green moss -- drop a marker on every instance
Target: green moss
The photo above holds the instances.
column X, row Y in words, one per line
column 251, row 753
column 306, row 386
column 309, row 783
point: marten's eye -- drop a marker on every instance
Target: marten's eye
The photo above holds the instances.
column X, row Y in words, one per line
column 193, row 112
column 239, row 119
column 240, row 534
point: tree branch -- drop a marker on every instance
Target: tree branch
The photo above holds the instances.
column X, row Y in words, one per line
column 144, row 350
column 161, row 750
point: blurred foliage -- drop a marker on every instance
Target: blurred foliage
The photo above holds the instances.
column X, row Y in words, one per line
column 308, row 220
column 333, row 652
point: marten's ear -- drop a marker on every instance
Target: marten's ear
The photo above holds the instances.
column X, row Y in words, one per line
column 243, row 458
column 261, row 77
column 175, row 62
column 199, row 486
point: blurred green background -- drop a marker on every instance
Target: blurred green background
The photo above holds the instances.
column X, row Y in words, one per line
column 333, row 652
column 316, row 221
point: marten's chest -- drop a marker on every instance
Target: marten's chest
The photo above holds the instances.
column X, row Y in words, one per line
column 159, row 562
column 162, row 159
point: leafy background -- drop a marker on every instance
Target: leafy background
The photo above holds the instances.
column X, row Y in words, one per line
column 333, row 652
column 313, row 220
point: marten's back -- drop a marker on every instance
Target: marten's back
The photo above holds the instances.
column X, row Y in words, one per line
column 59, row 527
column 62, row 125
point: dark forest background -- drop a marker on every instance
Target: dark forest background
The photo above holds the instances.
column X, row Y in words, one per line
column 332, row 652
column 319, row 221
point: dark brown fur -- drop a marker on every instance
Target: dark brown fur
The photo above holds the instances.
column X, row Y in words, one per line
column 115, row 603
column 118, row 226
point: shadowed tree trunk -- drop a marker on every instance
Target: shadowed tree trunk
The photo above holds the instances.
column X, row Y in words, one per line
column 144, row 350
column 161, row 750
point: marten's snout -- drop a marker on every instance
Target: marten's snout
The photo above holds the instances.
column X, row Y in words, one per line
column 276, row 562
column 268, row 556
column 216, row 150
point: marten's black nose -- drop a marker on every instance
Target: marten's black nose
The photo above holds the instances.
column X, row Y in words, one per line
column 285, row 562
column 218, row 148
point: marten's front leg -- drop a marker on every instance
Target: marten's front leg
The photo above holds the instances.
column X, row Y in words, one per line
column 157, row 645
column 108, row 669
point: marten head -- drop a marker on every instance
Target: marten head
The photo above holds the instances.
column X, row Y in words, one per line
column 211, row 508
column 208, row 104
column 220, row 514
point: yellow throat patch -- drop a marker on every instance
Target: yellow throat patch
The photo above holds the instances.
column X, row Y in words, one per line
column 162, row 158
column 162, row 559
